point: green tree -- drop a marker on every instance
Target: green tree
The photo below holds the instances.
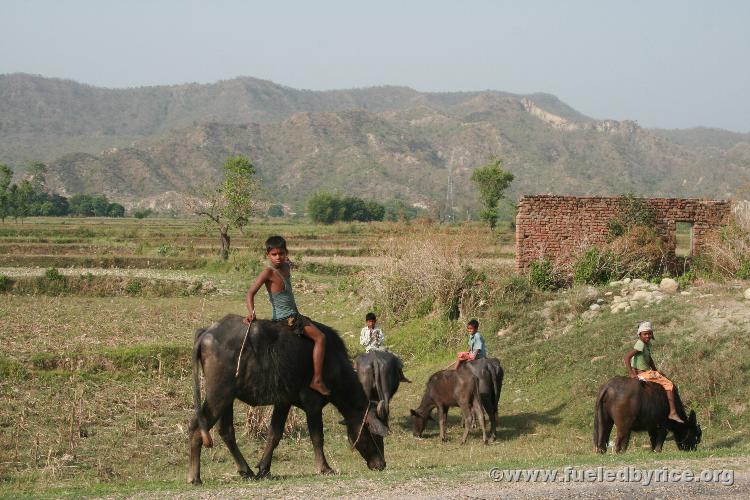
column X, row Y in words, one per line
column 491, row 182
column 325, row 208
column 6, row 176
column 275, row 210
column 231, row 204
column 37, row 175
column 23, row 199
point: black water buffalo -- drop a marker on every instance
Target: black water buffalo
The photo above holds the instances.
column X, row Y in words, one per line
column 444, row 389
column 489, row 375
column 275, row 369
column 380, row 374
column 634, row 405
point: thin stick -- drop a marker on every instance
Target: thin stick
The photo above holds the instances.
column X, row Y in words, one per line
column 239, row 358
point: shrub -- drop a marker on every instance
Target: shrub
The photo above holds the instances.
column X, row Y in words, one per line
column 134, row 287
column 542, row 275
column 727, row 251
column 52, row 274
column 743, row 272
column 592, row 267
column 142, row 213
column 425, row 273
column 166, row 250
column 632, row 212
column 6, row 283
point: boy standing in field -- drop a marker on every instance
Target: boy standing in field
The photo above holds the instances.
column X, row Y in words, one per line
column 477, row 348
column 278, row 281
column 371, row 336
column 641, row 365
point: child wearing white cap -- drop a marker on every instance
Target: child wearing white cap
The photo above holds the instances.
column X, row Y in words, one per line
column 641, row 365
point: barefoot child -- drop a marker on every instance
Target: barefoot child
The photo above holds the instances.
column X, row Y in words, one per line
column 641, row 365
column 278, row 281
column 477, row 348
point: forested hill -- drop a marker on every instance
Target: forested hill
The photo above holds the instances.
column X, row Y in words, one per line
column 382, row 142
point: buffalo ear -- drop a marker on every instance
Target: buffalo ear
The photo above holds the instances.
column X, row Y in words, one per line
column 376, row 426
column 691, row 418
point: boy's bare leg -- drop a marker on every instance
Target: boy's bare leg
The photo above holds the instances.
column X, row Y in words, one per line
column 672, row 409
column 319, row 352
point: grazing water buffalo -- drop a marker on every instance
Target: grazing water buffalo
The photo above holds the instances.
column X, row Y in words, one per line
column 489, row 375
column 275, row 369
column 634, row 405
column 444, row 389
column 380, row 374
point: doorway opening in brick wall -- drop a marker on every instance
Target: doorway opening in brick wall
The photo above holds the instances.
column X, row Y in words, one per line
column 684, row 239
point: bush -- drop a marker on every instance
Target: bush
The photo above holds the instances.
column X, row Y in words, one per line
column 727, row 251
column 594, row 267
column 743, row 272
column 52, row 274
column 542, row 275
column 6, row 283
column 425, row 273
column 134, row 287
column 633, row 212
column 142, row 213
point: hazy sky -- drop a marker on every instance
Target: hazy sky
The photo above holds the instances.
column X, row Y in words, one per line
column 673, row 64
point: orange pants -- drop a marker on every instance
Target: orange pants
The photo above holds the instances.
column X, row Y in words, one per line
column 654, row 376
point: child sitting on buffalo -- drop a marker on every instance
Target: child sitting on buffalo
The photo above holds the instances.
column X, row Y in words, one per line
column 641, row 365
column 477, row 348
column 278, row 281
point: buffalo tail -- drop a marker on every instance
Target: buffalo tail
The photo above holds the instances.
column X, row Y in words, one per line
column 202, row 424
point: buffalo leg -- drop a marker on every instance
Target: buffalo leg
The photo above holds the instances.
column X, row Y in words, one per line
column 657, row 436
column 623, row 436
column 315, row 428
column 480, row 416
column 275, row 431
column 442, row 417
column 467, row 419
column 493, row 426
column 196, row 441
column 226, row 431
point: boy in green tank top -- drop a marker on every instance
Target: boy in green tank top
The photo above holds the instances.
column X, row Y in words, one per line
column 278, row 281
column 641, row 365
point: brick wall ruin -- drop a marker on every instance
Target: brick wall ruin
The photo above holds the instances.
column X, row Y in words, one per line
column 555, row 227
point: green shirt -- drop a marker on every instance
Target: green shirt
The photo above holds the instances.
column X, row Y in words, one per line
column 642, row 359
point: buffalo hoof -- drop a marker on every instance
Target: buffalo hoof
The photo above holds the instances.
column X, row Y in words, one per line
column 327, row 471
column 196, row 481
column 262, row 473
column 247, row 474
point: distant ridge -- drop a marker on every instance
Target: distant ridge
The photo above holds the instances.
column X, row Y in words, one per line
column 385, row 142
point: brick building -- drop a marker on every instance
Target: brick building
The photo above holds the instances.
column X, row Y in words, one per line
column 555, row 227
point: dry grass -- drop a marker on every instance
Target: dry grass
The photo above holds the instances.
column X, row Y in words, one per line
column 727, row 252
column 423, row 272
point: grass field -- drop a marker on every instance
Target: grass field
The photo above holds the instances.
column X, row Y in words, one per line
column 95, row 381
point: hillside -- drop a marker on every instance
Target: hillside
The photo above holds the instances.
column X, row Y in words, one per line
column 385, row 142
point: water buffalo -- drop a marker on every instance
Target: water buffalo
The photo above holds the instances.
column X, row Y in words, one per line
column 634, row 405
column 444, row 389
column 275, row 369
column 380, row 374
column 489, row 375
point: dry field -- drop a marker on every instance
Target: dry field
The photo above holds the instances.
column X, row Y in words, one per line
column 95, row 382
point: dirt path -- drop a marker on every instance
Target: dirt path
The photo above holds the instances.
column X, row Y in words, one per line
column 480, row 485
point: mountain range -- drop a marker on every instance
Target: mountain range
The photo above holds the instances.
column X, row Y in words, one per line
column 148, row 145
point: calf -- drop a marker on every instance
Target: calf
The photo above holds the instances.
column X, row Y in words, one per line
column 444, row 389
column 489, row 375
column 380, row 374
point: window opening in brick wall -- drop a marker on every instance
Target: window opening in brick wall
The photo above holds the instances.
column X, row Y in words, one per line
column 684, row 235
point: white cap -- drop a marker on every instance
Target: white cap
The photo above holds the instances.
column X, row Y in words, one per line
column 645, row 326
